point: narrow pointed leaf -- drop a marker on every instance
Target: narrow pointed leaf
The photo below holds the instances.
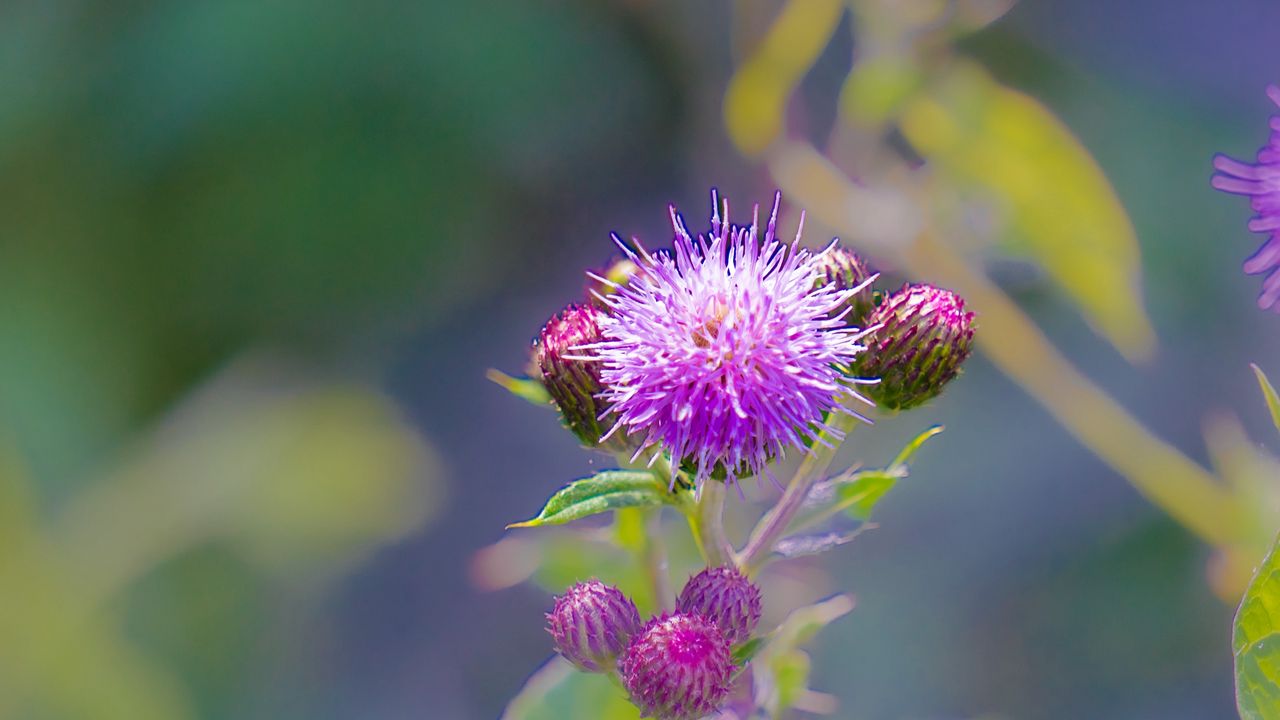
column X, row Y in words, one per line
column 526, row 388
column 1269, row 392
column 604, row 491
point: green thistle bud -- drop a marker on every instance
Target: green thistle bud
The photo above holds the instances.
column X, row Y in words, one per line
column 572, row 382
column 846, row 270
column 925, row 336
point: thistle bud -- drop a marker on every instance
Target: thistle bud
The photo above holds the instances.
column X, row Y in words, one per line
column 677, row 668
column 572, row 382
column 925, row 336
column 846, row 270
column 592, row 623
column 726, row 596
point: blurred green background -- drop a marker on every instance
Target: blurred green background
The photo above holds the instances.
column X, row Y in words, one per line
column 256, row 256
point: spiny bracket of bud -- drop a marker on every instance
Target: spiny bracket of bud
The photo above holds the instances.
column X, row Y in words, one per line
column 846, row 270
column 572, row 382
column 924, row 337
column 592, row 624
column 678, row 667
column 726, row 596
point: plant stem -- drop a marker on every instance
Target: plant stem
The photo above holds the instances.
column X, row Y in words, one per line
column 656, row 565
column 775, row 522
column 710, row 524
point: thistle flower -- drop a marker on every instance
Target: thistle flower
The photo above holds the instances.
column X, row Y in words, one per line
column 677, row 667
column 1260, row 181
column 574, row 384
column 845, row 270
column 592, row 624
column 923, row 336
column 726, row 350
column 726, row 596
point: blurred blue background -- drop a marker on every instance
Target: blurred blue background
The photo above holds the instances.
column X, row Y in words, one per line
column 255, row 258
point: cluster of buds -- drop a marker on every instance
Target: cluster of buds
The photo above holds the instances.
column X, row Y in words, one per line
column 678, row 665
column 920, row 336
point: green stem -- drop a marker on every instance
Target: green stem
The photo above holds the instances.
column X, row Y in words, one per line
column 709, row 527
column 654, row 556
column 775, row 522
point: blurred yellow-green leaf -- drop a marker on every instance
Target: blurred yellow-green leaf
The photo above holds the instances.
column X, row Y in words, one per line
column 558, row 691
column 1256, row 644
column 755, row 101
column 1004, row 149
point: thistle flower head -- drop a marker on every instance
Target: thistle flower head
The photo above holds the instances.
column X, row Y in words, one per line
column 677, row 667
column 922, row 334
column 1260, row 181
column 845, row 269
column 726, row 350
column 573, row 383
column 726, row 596
column 592, row 624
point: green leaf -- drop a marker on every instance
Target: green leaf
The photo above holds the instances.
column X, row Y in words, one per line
column 743, row 653
column 858, row 492
column 781, row 669
column 604, row 491
column 523, row 387
column 1007, row 151
column 557, row 691
column 1256, row 643
column 1269, row 392
column 858, row 496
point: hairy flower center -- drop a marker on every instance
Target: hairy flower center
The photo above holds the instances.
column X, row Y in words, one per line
column 688, row 647
column 706, row 334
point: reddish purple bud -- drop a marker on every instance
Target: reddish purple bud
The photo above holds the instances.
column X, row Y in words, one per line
column 592, row 623
column 925, row 336
column 845, row 269
column 677, row 668
column 573, row 383
column 726, row 596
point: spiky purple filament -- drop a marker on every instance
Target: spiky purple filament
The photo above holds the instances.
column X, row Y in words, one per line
column 723, row 351
column 1260, row 181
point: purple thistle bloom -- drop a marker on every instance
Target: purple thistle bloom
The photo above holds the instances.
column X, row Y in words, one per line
column 726, row 350
column 592, row 623
column 1261, row 182
column 677, row 667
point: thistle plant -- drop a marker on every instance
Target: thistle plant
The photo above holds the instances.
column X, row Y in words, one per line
column 699, row 366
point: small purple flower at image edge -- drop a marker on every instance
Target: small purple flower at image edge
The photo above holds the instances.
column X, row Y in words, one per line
column 1260, row 181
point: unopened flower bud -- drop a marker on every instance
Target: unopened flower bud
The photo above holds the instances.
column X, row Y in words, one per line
column 846, row 270
column 572, row 382
column 725, row 595
column 677, row 667
column 925, row 336
column 592, row 624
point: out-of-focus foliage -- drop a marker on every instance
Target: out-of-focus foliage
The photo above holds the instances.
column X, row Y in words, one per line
column 558, row 691
column 1002, row 150
column 1256, row 644
column 296, row 475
